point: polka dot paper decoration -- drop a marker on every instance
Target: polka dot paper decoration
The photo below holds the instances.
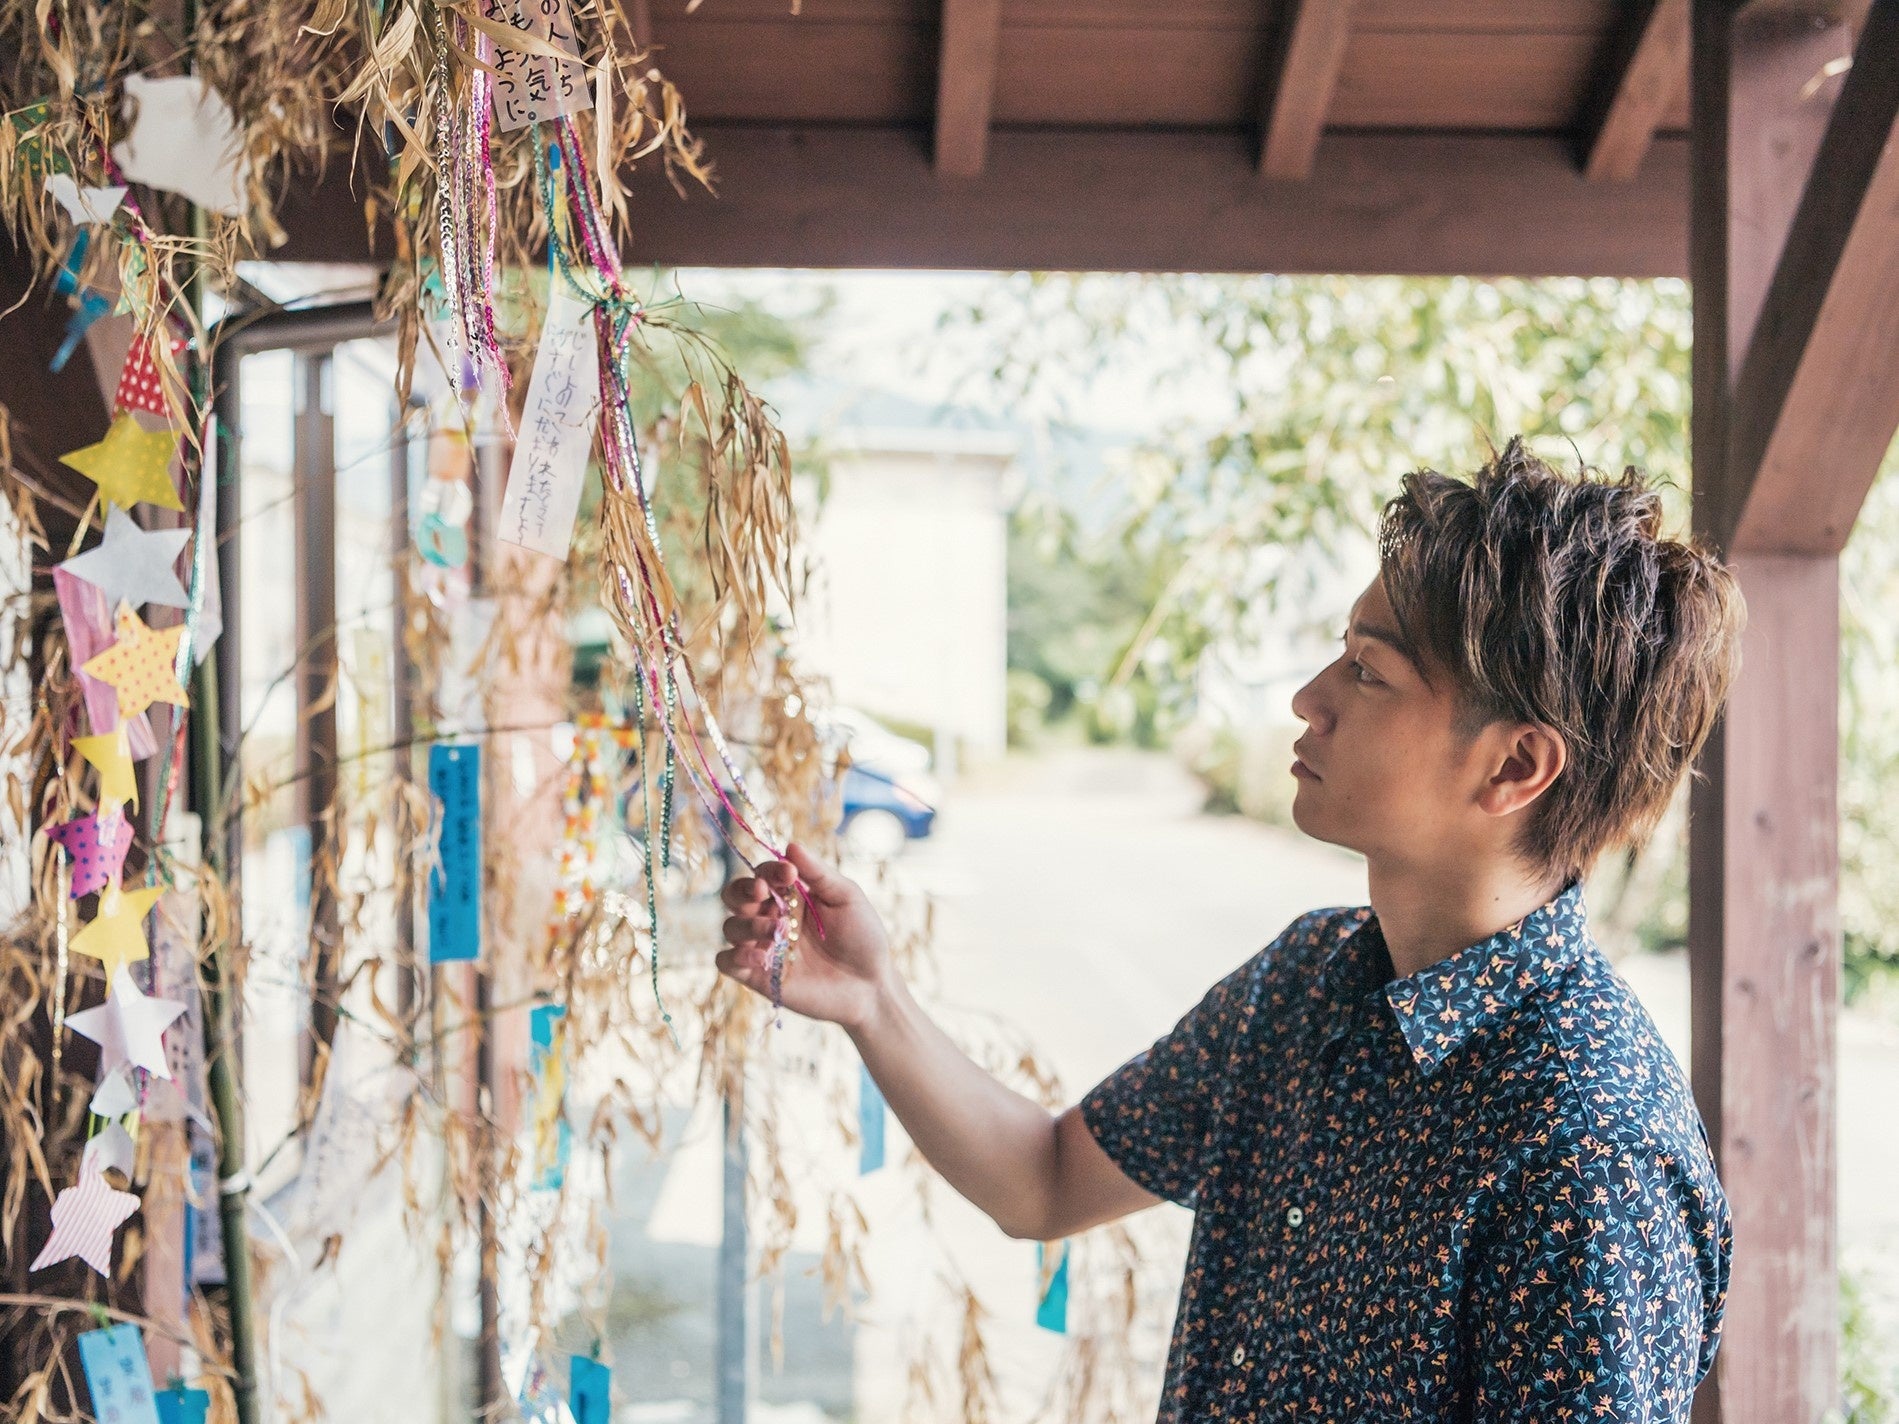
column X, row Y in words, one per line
column 96, row 847
column 139, row 386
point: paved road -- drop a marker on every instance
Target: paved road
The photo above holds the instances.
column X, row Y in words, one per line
column 1084, row 897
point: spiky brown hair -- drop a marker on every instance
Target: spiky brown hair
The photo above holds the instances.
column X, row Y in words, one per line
column 1555, row 598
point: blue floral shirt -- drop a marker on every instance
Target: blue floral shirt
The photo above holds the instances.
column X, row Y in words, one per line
column 1478, row 1193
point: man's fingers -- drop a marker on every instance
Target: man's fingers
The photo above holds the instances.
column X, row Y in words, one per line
column 749, row 929
column 731, row 965
column 826, row 885
column 744, row 893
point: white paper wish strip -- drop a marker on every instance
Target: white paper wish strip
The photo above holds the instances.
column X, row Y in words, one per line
column 556, row 433
column 532, row 87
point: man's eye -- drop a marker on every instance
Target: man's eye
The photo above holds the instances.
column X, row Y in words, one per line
column 1361, row 673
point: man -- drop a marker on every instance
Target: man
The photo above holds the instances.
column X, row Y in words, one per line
column 1442, row 1165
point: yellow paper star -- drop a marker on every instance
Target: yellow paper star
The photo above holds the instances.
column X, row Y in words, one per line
column 130, row 465
column 109, row 753
column 116, row 937
column 142, row 666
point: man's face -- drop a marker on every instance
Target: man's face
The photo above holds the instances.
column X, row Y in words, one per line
column 1383, row 766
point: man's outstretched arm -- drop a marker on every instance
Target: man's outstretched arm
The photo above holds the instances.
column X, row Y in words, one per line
column 1039, row 1176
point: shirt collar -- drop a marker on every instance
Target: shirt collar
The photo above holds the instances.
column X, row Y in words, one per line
column 1439, row 1007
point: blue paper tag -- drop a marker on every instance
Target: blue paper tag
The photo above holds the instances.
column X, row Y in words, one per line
column 455, row 884
column 870, row 1122
column 92, row 306
column 589, row 1390
column 547, row 1062
column 118, row 1375
column 179, row 1405
column 1052, row 1312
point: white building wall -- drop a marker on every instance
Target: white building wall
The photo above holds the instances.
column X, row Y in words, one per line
column 907, row 614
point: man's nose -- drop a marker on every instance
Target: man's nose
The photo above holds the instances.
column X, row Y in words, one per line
column 1308, row 705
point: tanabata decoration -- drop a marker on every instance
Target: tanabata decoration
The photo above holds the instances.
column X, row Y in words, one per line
column 134, row 565
column 85, row 205
column 132, row 465
column 96, row 846
column 84, row 1217
column 111, row 1149
column 589, row 1390
column 118, row 1375
column 184, row 140
column 116, row 935
column 129, row 1028
column 142, row 665
column 549, row 468
column 1051, row 1310
column 179, row 1405
column 140, row 386
column 89, row 632
column 587, row 813
column 115, row 1096
column 547, row 1065
column 870, row 1123
column 455, row 883
column 107, row 752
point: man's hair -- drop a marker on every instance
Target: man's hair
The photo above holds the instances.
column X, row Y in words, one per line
column 1555, row 599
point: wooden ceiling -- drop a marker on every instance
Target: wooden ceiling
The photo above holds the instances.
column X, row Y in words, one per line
column 1413, row 136
column 1512, row 66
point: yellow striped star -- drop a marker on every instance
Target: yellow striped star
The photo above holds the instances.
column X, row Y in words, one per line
column 131, row 465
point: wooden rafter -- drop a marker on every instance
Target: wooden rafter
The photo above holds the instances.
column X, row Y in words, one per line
column 1301, row 76
column 1816, row 401
column 1645, row 67
column 1422, row 204
column 966, row 85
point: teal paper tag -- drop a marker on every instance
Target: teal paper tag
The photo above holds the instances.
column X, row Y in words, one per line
column 455, row 884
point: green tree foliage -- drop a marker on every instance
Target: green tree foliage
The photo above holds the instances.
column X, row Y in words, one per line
column 1302, row 400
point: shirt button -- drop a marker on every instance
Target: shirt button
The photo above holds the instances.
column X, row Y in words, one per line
column 1239, row 1355
column 1295, row 1216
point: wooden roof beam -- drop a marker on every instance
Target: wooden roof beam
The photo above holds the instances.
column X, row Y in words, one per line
column 1300, row 77
column 1816, row 399
column 1646, row 63
column 966, row 85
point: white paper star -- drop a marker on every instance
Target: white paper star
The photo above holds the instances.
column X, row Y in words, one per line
column 115, row 1095
column 112, row 1147
column 84, row 1218
column 84, row 205
column 134, row 565
column 184, row 141
column 128, row 1027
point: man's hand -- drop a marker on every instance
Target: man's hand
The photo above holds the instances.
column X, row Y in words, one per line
column 841, row 975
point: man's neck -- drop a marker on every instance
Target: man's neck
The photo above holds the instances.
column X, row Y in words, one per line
column 1428, row 913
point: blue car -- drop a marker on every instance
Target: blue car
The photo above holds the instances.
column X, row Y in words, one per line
column 881, row 813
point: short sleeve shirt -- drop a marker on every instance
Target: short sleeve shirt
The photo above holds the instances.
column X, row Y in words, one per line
column 1481, row 1192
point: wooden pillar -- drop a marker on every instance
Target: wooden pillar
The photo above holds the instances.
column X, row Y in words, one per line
column 1764, row 865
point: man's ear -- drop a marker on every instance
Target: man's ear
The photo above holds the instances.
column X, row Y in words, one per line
column 1530, row 758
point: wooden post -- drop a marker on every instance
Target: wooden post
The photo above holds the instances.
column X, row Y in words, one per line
column 1763, row 826
column 316, row 684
